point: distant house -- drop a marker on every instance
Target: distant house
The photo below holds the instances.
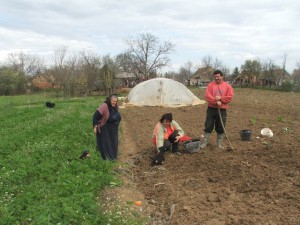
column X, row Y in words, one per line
column 268, row 78
column 244, row 79
column 202, row 76
column 125, row 79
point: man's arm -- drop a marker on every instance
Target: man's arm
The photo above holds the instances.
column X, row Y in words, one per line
column 209, row 94
column 228, row 96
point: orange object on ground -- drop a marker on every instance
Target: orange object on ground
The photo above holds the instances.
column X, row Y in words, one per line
column 138, row 203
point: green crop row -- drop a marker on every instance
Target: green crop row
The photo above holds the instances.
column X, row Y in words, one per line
column 42, row 179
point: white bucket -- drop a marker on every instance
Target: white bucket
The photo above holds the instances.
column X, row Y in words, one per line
column 266, row 132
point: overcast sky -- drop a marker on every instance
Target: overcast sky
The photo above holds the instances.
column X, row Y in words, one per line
column 231, row 30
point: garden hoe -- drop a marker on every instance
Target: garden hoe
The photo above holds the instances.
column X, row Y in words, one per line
column 231, row 148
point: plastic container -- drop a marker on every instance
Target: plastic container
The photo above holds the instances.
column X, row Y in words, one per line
column 245, row 135
column 266, row 132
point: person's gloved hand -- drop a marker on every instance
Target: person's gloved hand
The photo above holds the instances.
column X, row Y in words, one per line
column 174, row 136
column 177, row 138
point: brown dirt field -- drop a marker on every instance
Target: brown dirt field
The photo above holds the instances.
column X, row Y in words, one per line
column 256, row 183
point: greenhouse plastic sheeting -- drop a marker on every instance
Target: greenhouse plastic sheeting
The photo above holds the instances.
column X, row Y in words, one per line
column 162, row 92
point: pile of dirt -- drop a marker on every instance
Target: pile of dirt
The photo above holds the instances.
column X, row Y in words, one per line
column 256, row 183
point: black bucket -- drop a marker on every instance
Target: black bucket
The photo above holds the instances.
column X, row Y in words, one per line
column 245, row 135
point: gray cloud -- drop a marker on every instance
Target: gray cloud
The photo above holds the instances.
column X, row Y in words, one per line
column 231, row 30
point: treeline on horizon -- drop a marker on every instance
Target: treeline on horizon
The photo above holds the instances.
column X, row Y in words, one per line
column 83, row 72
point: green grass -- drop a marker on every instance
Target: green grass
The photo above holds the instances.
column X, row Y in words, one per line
column 42, row 179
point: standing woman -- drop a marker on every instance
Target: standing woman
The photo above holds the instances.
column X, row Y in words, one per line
column 106, row 122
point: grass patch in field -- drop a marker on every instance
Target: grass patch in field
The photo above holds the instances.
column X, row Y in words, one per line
column 42, row 180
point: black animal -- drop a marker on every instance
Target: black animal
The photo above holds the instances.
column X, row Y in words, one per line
column 159, row 157
column 84, row 155
column 50, row 104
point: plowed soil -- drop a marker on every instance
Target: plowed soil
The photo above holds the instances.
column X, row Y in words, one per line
column 256, row 183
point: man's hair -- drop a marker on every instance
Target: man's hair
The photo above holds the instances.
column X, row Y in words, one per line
column 167, row 116
column 218, row 72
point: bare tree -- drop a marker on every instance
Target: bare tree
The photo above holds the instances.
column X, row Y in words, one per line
column 173, row 75
column 71, row 76
column 269, row 72
column 107, row 79
column 59, row 68
column 282, row 77
column 225, row 70
column 296, row 75
column 108, row 73
column 91, row 65
column 126, row 64
column 185, row 71
column 252, row 69
column 274, row 74
column 9, row 80
column 208, row 61
column 26, row 66
column 111, row 63
column 66, row 71
column 146, row 54
column 29, row 65
column 235, row 72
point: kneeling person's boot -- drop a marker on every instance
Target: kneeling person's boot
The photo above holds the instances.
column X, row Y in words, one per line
column 219, row 140
column 175, row 148
column 205, row 140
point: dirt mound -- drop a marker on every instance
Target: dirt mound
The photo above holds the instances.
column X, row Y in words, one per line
column 257, row 183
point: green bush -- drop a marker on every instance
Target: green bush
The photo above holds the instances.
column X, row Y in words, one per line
column 287, row 87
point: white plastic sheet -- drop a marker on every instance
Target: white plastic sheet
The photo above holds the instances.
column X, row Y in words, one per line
column 162, row 92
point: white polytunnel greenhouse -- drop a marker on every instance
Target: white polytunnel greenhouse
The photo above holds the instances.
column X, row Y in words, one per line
column 162, row 92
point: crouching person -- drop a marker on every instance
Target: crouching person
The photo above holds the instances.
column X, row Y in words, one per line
column 167, row 134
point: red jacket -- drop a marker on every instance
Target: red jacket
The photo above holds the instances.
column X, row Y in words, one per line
column 223, row 89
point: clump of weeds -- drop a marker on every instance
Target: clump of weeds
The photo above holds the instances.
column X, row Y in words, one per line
column 253, row 121
column 280, row 118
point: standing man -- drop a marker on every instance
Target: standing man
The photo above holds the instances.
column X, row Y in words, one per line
column 218, row 94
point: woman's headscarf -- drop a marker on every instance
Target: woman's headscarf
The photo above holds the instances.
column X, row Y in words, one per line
column 108, row 102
